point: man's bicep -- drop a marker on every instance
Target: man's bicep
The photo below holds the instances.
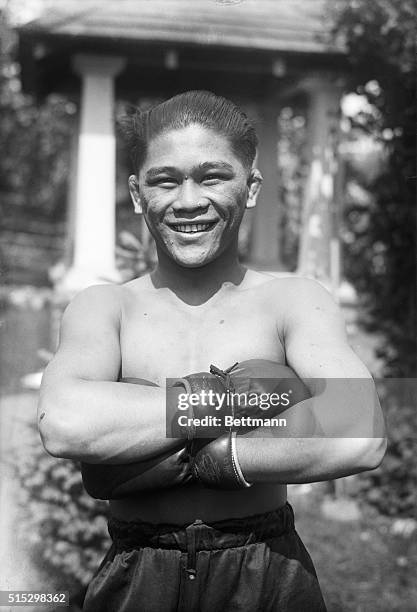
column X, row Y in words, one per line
column 89, row 346
column 316, row 344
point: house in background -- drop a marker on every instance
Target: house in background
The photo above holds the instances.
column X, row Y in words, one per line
column 263, row 54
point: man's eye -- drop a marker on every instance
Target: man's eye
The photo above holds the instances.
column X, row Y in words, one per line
column 165, row 182
column 211, row 179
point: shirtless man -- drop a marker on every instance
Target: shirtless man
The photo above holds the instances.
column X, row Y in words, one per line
column 181, row 540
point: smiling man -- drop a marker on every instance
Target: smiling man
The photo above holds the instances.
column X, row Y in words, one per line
column 204, row 524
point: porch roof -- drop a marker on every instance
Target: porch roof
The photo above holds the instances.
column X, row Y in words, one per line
column 284, row 26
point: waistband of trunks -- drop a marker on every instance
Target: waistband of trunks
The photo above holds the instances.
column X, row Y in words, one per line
column 228, row 533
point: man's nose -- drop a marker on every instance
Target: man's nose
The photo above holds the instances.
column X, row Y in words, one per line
column 189, row 197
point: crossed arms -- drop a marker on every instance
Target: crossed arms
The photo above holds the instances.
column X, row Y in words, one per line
column 85, row 414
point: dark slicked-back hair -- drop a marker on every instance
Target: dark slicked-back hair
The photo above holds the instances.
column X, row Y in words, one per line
column 192, row 107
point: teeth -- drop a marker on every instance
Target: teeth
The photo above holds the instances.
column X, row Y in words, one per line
column 192, row 228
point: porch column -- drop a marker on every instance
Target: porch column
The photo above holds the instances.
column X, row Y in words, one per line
column 319, row 255
column 265, row 229
column 93, row 239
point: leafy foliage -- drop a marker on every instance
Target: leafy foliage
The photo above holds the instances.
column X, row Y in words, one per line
column 381, row 260
column 65, row 526
column 35, row 139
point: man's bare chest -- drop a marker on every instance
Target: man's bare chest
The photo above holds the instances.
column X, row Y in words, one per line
column 161, row 339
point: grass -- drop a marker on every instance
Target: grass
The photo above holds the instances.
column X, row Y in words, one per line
column 362, row 566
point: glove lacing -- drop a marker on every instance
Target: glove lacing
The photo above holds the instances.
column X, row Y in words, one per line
column 226, row 379
column 224, row 375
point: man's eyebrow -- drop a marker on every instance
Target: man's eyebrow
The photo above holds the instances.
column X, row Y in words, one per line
column 204, row 166
column 220, row 165
column 152, row 172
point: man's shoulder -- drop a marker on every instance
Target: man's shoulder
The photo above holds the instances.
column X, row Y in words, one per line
column 110, row 295
column 96, row 301
column 104, row 294
column 302, row 286
column 289, row 289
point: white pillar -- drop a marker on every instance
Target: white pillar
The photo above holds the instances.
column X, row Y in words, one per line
column 319, row 245
column 95, row 195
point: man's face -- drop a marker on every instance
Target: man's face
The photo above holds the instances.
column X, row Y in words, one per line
column 193, row 191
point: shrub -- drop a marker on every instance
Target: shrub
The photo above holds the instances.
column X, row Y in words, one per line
column 380, row 40
column 64, row 526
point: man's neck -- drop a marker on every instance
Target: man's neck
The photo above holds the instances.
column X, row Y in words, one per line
column 196, row 286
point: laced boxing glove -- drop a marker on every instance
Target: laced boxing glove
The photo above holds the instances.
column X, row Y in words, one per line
column 252, row 388
column 106, row 481
column 204, row 394
column 215, row 463
column 257, row 378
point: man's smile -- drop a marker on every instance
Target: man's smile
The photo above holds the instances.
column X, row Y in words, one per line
column 192, row 227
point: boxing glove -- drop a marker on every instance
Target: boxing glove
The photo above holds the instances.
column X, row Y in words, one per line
column 216, row 465
column 252, row 388
column 204, row 395
column 269, row 386
column 106, row 481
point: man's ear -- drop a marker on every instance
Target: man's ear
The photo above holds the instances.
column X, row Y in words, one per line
column 134, row 194
column 254, row 184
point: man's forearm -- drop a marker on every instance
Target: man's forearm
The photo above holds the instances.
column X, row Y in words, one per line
column 104, row 422
column 318, row 442
column 300, row 460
